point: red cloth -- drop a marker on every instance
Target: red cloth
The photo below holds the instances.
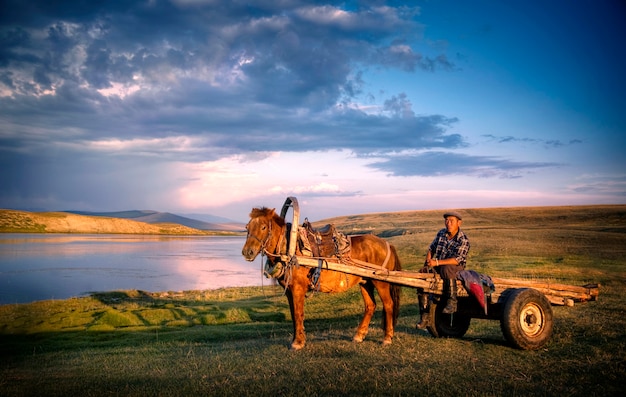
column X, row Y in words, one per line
column 479, row 294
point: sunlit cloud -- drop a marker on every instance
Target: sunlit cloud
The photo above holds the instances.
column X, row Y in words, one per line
column 120, row 90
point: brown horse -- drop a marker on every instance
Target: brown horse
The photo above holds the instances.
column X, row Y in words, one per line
column 267, row 233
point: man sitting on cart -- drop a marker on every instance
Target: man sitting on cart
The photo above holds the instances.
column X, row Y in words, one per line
column 447, row 255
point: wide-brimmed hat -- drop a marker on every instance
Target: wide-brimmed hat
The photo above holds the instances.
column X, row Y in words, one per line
column 453, row 213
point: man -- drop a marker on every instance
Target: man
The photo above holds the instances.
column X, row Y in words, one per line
column 447, row 255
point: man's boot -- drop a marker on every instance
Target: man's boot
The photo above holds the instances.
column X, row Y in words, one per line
column 422, row 300
column 450, row 286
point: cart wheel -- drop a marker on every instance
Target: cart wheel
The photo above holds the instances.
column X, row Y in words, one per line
column 527, row 319
column 446, row 325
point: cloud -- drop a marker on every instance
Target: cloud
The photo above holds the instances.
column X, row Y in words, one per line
column 282, row 75
column 321, row 189
column 549, row 143
column 299, row 49
column 609, row 185
column 437, row 163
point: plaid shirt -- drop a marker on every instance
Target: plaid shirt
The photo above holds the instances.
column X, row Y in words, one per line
column 457, row 247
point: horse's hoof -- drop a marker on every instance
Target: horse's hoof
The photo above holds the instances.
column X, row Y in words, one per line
column 296, row 346
column 386, row 341
column 358, row 339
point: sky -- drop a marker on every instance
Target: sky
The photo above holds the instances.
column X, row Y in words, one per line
column 216, row 107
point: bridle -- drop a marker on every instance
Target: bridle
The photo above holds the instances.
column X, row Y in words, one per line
column 272, row 268
column 264, row 242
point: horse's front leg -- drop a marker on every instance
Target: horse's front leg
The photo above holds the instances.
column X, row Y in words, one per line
column 295, row 297
column 367, row 291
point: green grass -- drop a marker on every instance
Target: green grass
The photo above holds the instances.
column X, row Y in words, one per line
column 234, row 342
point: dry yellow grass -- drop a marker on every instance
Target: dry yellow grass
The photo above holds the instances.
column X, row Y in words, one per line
column 512, row 241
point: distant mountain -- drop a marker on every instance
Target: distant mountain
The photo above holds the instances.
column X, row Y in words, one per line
column 209, row 218
column 119, row 214
column 155, row 217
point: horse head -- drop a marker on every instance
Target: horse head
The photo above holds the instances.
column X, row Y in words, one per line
column 264, row 230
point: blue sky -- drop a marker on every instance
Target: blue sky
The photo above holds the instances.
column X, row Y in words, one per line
column 206, row 106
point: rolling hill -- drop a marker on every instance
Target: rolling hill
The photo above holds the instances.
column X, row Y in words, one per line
column 14, row 221
column 155, row 217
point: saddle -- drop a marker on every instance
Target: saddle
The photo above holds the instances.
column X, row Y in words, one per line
column 323, row 242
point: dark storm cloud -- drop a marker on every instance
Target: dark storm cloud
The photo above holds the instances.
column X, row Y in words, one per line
column 208, row 67
column 443, row 164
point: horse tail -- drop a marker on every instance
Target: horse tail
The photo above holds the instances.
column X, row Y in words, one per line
column 395, row 288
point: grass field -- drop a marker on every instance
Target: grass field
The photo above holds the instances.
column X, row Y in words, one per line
column 235, row 341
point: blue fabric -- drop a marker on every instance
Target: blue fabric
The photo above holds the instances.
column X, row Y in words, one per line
column 469, row 276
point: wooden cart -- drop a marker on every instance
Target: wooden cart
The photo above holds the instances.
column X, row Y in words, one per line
column 523, row 307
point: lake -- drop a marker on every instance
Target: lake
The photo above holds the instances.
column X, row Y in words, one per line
column 59, row 266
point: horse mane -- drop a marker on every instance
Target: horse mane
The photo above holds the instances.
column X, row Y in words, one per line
column 267, row 213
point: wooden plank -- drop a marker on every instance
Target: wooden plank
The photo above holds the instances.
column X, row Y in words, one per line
column 373, row 273
column 557, row 294
column 545, row 285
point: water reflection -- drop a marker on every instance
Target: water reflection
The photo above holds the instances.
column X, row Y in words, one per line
column 35, row 267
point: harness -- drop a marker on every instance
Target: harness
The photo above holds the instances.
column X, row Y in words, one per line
column 320, row 244
column 278, row 264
